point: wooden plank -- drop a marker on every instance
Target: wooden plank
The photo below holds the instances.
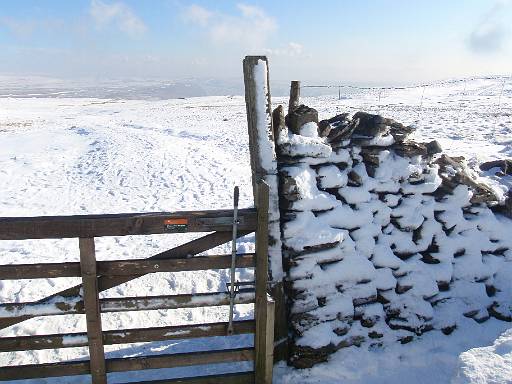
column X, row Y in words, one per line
column 227, row 378
column 262, row 242
column 294, row 96
column 269, row 341
column 180, row 359
column 139, row 266
column 39, row 271
column 261, row 310
column 33, row 371
column 123, row 267
column 92, row 311
column 180, row 332
column 58, row 305
column 124, row 336
column 123, row 304
column 35, row 342
column 88, row 226
column 188, row 249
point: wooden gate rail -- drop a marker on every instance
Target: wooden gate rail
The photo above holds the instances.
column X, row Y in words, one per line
column 124, row 267
column 33, row 371
column 123, row 224
column 124, row 304
column 124, row 336
column 98, row 276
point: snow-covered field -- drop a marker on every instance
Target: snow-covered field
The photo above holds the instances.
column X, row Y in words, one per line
column 81, row 155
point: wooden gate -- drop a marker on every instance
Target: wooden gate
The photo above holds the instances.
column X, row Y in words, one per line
column 98, row 276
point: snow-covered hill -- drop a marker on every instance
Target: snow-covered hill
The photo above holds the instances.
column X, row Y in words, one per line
column 78, row 155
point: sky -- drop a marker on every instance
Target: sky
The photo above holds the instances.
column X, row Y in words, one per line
column 363, row 41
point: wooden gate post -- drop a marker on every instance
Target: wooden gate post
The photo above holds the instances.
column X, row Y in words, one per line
column 264, row 305
column 264, row 168
column 92, row 310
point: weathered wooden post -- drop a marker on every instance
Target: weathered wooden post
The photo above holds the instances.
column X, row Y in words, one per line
column 264, row 305
column 92, row 310
column 264, row 168
column 294, row 96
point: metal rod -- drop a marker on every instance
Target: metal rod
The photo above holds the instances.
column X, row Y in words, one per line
column 233, row 261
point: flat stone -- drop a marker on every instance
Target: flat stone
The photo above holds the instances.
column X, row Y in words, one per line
column 410, row 149
column 504, row 165
column 341, row 119
column 342, row 132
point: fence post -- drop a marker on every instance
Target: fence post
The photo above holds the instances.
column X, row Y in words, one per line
column 294, row 96
column 251, row 103
column 264, row 307
column 264, row 167
column 92, row 310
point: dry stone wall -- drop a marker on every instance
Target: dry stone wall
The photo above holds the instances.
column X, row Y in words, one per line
column 383, row 238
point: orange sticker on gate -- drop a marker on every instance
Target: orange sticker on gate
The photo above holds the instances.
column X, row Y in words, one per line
column 176, row 225
column 176, row 221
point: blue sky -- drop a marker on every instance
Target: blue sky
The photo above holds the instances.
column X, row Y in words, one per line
column 358, row 41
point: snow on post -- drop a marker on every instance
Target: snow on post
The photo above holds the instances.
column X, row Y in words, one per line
column 263, row 154
column 264, row 168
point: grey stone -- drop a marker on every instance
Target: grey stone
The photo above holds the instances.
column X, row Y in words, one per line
column 370, row 125
column 355, row 178
column 410, row 149
column 342, row 131
column 306, row 357
column 481, row 192
column 300, row 116
column 434, row 147
column 324, row 128
column 500, row 311
column 504, row 165
column 341, row 119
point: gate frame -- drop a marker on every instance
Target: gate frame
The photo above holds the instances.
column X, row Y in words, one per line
column 101, row 275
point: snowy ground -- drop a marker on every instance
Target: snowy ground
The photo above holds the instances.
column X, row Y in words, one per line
column 77, row 156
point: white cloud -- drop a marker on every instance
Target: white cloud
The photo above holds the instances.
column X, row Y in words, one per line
column 196, row 14
column 487, row 38
column 490, row 34
column 117, row 14
column 292, row 49
column 250, row 28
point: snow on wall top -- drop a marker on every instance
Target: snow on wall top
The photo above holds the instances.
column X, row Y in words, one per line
column 383, row 238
